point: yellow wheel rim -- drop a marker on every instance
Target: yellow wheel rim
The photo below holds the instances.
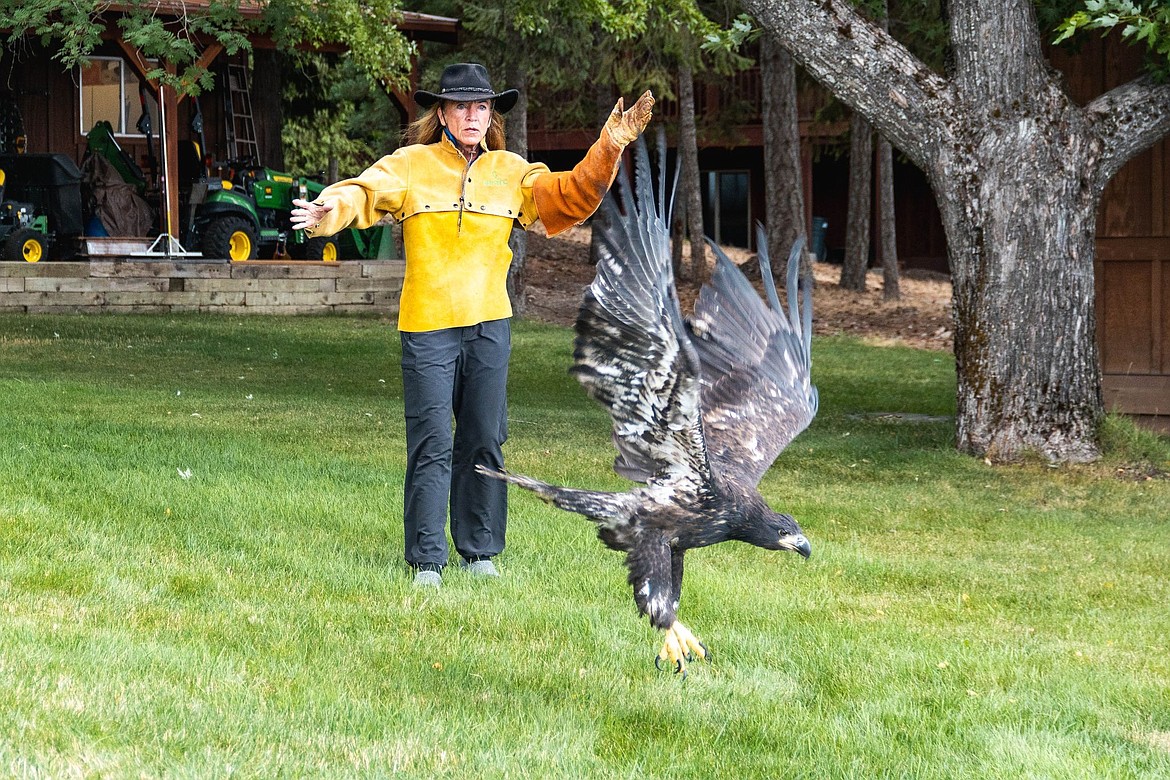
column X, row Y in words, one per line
column 329, row 252
column 32, row 250
column 239, row 246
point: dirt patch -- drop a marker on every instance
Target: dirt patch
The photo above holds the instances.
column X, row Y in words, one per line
column 558, row 270
column 1141, row 472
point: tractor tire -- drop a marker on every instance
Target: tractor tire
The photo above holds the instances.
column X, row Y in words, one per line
column 233, row 238
column 321, row 248
column 26, row 244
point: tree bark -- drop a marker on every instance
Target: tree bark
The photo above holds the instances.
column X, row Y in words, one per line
column 517, row 142
column 603, row 99
column 678, row 234
column 783, row 186
column 891, row 279
column 887, row 229
column 857, row 227
column 1018, row 169
column 266, row 88
column 688, row 154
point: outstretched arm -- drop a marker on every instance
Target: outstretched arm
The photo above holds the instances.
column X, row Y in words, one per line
column 567, row 199
column 361, row 201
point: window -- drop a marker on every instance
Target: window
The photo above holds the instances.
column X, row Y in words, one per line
column 726, row 207
column 109, row 92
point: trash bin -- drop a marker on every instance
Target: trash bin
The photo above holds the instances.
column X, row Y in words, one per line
column 819, row 227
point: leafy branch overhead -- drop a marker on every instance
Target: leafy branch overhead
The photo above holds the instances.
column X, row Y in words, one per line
column 177, row 38
column 1149, row 25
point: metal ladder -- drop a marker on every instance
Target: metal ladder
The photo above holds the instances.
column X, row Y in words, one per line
column 241, row 127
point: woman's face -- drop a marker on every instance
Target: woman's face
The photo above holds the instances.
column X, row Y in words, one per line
column 468, row 122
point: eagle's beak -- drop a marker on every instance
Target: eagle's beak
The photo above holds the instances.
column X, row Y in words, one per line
column 797, row 543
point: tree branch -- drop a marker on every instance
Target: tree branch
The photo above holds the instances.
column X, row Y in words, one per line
column 865, row 67
column 1129, row 119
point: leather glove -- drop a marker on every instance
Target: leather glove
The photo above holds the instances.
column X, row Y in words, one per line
column 307, row 216
column 625, row 126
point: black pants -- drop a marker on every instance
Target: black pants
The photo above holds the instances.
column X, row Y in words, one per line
column 458, row 374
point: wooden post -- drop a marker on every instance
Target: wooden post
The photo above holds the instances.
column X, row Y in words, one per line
column 169, row 107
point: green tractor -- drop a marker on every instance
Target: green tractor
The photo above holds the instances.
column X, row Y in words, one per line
column 245, row 214
column 239, row 210
column 40, row 199
column 40, row 206
column 22, row 231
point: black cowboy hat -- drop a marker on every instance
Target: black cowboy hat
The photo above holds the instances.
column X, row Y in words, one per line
column 467, row 81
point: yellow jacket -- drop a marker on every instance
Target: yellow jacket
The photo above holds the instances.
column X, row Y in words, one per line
column 456, row 219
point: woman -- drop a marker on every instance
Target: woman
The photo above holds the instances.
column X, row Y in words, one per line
column 457, row 193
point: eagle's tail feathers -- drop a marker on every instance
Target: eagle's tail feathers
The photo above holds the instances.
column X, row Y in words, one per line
column 599, row 506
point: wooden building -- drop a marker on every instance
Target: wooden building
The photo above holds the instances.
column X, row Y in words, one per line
column 60, row 107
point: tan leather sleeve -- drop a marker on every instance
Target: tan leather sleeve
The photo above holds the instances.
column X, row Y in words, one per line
column 366, row 198
column 567, row 199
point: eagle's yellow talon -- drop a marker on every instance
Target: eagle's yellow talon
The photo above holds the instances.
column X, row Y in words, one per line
column 680, row 647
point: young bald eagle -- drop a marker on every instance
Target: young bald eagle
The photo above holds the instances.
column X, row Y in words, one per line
column 700, row 408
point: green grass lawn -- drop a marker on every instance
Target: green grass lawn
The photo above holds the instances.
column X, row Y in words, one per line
column 201, row 576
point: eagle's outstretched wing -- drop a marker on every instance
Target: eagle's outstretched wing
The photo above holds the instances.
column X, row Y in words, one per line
column 756, row 391
column 632, row 353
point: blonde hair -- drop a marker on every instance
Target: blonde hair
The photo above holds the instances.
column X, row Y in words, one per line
column 427, row 129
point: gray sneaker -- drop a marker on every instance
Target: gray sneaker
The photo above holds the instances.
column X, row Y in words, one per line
column 428, row 579
column 481, row 568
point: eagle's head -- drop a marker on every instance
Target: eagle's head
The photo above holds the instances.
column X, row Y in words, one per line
column 780, row 532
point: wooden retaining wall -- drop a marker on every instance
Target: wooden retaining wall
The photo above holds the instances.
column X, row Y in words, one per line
column 257, row 287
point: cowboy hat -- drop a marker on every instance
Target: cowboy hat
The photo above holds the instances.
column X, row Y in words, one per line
column 467, row 81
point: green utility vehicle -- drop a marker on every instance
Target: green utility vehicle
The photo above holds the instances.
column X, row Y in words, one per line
column 245, row 214
column 40, row 206
column 22, row 231
column 40, row 197
column 238, row 210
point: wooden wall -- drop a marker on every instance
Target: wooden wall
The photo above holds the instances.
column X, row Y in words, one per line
column 1133, row 251
column 50, row 106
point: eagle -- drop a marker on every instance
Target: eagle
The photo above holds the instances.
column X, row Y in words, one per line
column 700, row 406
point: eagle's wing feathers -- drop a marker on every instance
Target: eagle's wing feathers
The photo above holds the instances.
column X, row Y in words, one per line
column 756, row 391
column 632, row 353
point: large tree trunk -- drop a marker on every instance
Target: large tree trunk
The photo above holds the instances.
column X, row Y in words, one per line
column 517, row 126
column 1028, row 368
column 1020, row 218
column 1018, row 170
column 783, row 185
column 857, row 227
column 688, row 153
